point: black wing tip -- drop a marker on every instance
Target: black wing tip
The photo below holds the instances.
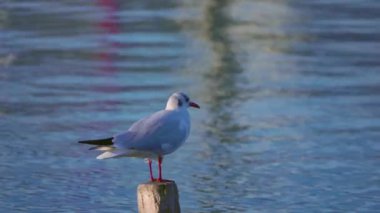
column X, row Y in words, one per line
column 103, row 142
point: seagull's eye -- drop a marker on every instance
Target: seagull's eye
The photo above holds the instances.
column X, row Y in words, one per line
column 179, row 102
column 186, row 98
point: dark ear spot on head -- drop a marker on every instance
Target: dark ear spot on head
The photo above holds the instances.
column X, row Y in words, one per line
column 179, row 102
column 185, row 96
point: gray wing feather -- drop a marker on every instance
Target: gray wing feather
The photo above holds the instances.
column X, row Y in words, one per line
column 149, row 133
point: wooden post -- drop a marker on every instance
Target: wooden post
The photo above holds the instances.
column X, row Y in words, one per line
column 158, row 197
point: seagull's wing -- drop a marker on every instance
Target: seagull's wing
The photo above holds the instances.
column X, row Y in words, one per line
column 153, row 132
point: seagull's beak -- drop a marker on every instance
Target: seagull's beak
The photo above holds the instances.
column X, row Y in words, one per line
column 192, row 104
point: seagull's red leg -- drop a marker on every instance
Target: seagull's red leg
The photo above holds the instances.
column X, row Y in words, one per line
column 150, row 169
column 159, row 169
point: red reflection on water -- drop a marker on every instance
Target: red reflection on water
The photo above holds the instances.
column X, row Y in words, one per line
column 110, row 25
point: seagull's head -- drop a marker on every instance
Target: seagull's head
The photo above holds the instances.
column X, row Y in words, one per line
column 180, row 100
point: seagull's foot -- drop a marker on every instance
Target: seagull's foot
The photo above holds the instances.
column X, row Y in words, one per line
column 158, row 180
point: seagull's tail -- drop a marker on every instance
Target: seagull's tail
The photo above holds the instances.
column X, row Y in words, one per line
column 112, row 154
column 105, row 145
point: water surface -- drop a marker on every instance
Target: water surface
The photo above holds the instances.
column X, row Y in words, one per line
column 289, row 90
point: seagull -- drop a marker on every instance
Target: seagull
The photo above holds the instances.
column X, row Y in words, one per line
column 154, row 136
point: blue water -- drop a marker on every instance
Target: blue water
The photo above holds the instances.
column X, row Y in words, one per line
column 289, row 94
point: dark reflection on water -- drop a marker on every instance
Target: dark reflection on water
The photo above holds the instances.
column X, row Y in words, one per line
column 221, row 79
column 221, row 82
column 289, row 93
